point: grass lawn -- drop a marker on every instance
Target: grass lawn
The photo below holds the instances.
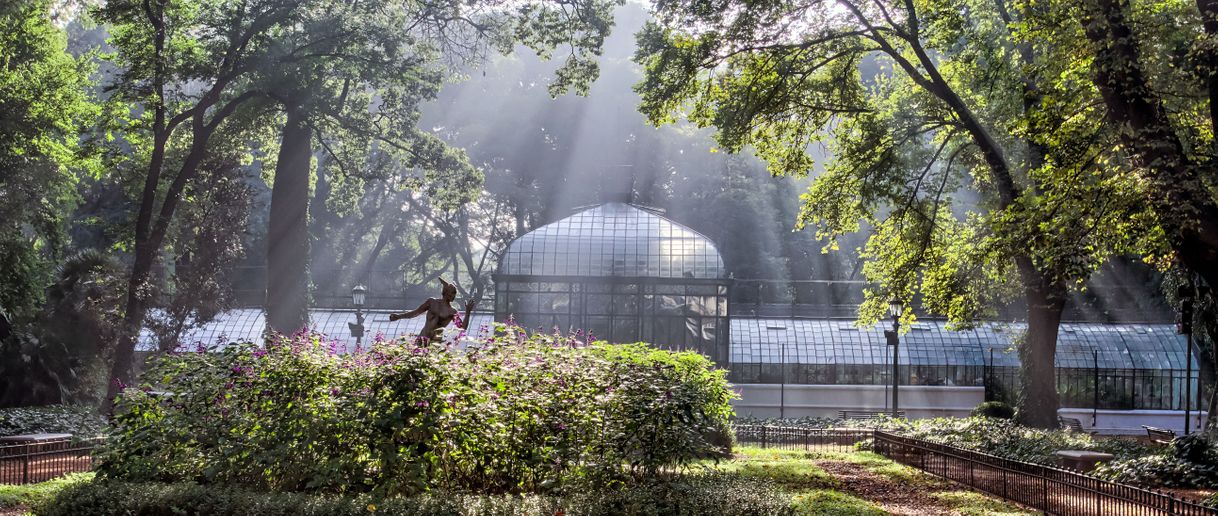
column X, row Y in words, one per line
column 860, row 483
column 15, row 499
column 820, row 483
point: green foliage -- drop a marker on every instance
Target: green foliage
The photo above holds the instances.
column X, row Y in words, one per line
column 827, row 502
column 1189, row 461
column 80, row 421
column 689, row 495
column 57, row 357
column 1001, row 437
column 995, row 410
column 45, row 110
column 512, row 413
column 33, row 495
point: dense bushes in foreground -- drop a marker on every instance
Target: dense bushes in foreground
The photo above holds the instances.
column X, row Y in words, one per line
column 510, row 413
column 690, row 495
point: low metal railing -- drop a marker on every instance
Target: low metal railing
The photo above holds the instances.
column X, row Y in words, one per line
column 796, row 438
column 1045, row 488
column 39, row 462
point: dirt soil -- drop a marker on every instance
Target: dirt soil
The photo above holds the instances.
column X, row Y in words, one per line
column 892, row 497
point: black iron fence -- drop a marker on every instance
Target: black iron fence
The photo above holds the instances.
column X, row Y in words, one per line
column 1044, row 488
column 1048, row 489
column 1109, row 388
column 797, row 438
column 39, row 462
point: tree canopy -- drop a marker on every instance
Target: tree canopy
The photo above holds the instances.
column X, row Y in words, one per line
column 942, row 142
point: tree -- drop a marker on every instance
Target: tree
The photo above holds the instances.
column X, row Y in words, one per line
column 46, row 109
column 922, row 105
column 193, row 69
column 1153, row 70
column 1171, row 142
column 359, row 93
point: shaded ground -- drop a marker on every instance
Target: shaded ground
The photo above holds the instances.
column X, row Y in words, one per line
column 861, row 483
column 911, row 493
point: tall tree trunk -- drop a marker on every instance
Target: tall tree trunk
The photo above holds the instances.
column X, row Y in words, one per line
column 287, row 257
column 1038, row 401
column 1179, row 195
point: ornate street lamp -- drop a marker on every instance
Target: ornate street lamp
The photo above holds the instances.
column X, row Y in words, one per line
column 894, row 309
column 357, row 298
column 1184, row 325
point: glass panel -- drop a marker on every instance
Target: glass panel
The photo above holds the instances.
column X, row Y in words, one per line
column 614, row 240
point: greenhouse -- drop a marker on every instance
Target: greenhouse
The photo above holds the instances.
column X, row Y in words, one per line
column 1134, row 366
column 626, row 273
column 622, row 273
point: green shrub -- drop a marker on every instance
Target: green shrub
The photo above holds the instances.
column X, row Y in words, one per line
column 80, row 421
column 1189, row 461
column 995, row 410
column 511, row 413
column 688, row 495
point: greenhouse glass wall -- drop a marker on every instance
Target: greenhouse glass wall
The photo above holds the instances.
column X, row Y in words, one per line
column 622, row 273
column 1107, row 366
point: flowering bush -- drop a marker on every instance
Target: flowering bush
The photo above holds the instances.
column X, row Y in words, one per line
column 511, row 412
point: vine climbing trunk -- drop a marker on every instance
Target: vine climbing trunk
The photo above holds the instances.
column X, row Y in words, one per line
column 287, row 257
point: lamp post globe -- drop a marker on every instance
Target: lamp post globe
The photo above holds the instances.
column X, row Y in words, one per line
column 895, row 308
column 358, row 294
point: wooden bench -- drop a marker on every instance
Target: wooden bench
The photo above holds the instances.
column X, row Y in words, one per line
column 1159, row 435
column 867, row 414
column 1071, row 424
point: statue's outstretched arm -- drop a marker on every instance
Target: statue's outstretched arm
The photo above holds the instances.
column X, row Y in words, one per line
column 411, row 314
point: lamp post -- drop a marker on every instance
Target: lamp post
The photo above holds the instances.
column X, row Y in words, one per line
column 1185, row 326
column 357, row 298
column 895, row 308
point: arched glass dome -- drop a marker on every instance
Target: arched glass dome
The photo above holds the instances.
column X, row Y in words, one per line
column 621, row 273
column 615, row 240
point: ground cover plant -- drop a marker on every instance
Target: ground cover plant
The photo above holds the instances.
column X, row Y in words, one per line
column 512, row 413
column 1189, row 461
column 689, row 495
column 995, row 436
column 80, row 421
column 19, row 498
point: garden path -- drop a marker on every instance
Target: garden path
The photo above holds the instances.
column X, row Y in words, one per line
column 900, row 491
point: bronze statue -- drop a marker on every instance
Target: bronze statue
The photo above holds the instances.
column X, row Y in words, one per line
column 440, row 313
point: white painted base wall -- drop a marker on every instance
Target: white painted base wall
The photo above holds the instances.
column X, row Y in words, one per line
column 920, row 401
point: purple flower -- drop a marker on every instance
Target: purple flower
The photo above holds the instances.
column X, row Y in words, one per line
column 334, row 391
column 423, row 403
column 238, row 369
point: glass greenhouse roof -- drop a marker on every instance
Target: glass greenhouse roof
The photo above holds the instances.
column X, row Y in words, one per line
column 615, row 240
column 806, row 341
column 243, row 325
column 826, row 341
